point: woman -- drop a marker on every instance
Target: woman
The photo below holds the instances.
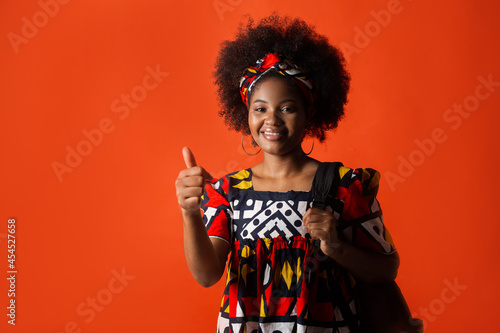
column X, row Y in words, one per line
column 294, row 84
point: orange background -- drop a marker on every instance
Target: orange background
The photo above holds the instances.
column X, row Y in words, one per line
column 116, row 211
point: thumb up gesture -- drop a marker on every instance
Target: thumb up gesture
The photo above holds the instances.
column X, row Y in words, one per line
column 190, row 183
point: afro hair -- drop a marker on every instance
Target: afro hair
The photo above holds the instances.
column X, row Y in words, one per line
column 297, row 41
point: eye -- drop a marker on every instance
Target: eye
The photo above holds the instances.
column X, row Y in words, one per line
column 259, row 109
column 287, row 109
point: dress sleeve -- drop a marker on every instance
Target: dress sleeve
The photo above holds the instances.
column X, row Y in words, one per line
column 216, row 210
column 361, row 220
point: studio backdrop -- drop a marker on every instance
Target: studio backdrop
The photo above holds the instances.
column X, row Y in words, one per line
column 97, row 99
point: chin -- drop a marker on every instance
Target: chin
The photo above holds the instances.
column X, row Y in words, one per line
column 278, row 152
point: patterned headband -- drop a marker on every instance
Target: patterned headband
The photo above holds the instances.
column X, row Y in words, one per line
column 283, row 66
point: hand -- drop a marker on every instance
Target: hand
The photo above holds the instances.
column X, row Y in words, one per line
column 322, row 225
column 190, row 183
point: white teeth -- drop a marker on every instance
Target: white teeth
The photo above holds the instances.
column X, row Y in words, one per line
column 271, row 133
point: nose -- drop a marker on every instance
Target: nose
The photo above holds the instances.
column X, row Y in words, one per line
column 273, row 118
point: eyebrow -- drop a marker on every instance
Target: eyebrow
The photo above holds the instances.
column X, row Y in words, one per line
column 284, row 101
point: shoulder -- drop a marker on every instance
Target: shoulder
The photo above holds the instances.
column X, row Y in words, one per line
column 357, row 189
column 235, row 180
column 362, row 180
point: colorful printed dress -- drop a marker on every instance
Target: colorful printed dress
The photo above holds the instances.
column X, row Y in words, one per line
column 277, row 278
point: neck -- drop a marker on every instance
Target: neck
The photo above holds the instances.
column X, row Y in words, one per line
column 283, row 166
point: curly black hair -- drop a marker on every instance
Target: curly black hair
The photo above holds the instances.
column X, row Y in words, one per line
column 297, row 41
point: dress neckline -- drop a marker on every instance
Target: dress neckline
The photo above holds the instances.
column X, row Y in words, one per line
column 250, row 179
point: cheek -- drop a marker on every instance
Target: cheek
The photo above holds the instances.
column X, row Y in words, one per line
column 299, row 125
column 253, row 124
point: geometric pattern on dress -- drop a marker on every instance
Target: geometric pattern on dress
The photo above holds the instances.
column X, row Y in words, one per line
column 281, row 303
column 254, row 219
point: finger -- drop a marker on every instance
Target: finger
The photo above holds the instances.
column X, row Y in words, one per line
column 198, row 174
column 193, row 181
column 188, row 157
column 306, row 216
column 323, row 235
column 319, row 234
column 314, row 215
column 313, row 219
column 190, row 192
column 317, row 211
column 182, row 185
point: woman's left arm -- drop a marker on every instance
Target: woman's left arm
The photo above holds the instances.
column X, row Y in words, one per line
column 369, row 266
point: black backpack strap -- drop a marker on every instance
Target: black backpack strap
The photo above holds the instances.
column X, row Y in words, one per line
column 325, row 183
column 324, row 190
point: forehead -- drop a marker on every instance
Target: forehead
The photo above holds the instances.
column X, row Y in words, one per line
column 272, row 89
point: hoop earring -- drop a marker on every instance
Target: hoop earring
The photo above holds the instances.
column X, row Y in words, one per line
column 312, row 148
column 242, row 146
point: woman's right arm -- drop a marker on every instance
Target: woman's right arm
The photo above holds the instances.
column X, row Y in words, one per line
column 205, row 256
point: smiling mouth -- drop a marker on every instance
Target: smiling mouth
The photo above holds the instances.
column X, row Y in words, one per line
column 273, row 135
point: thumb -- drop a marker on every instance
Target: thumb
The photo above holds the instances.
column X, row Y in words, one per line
column 188, row 157
column 191, row 162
